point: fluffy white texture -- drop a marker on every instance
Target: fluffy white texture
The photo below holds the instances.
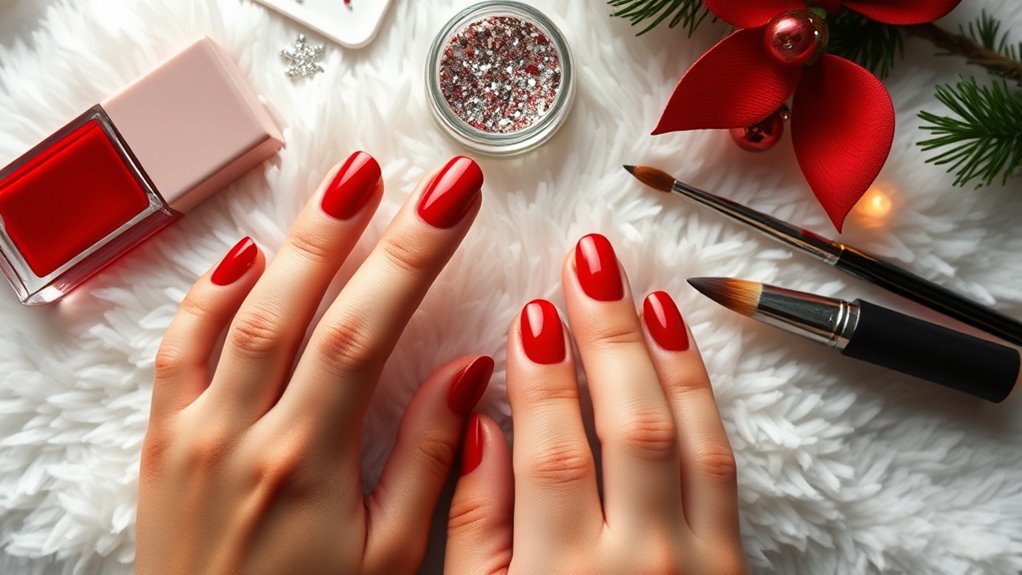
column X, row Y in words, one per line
column 845, row 468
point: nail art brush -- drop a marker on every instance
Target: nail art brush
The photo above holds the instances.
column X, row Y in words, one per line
column 845, row 258
column 877, row 335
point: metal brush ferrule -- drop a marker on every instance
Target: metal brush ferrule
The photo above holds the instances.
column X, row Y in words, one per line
column 827, row 250
column 826, row 320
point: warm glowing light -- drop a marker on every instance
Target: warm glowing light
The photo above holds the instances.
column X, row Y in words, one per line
column 876, row 203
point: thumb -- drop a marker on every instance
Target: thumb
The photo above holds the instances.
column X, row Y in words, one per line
column 479, row 527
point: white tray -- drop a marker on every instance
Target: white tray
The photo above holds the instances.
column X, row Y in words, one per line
column 353, row 25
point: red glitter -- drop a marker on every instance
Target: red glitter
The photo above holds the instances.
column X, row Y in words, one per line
column 500, row 74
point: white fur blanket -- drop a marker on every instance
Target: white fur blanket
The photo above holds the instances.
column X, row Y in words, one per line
column 845, row 468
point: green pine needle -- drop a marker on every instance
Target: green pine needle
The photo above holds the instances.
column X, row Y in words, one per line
column 983, row 136
column 869, row 43
column 687, row 13
column 986, row 31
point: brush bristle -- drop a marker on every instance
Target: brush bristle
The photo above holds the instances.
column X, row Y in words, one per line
column 741, row 296
column 652, row 177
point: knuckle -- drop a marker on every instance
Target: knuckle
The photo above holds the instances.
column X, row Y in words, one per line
column 546, row 392
column 195, row 307
column 281, row 468
column 468, row 515
column 169, row 361
column 406, row 254
column 347, row 346
column 208, row 452
column 650, row 434
column 616, row 334
column 154, row 450
column 256, row 332
column 435, row 455
column 717, row 460
column 682, row 387
column 561, row 463
column 310, row 246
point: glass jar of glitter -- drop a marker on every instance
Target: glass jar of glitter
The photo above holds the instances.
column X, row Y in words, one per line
column 499, row 78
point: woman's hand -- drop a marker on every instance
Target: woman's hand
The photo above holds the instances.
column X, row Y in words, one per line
column 253, row 466
column 668, row 502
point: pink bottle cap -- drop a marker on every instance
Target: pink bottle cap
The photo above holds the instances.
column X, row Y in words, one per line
column 194, row 124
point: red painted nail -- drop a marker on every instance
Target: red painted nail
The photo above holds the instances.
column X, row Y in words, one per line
column 239, row 260
column 472, row 452
column 451, row 193
column 469, row 385
column 542, row 333
column 597, row 269
column 352, row 187
column 664, row 322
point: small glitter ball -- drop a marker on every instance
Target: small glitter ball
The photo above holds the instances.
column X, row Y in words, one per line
column 500, row 74
column 303, row 61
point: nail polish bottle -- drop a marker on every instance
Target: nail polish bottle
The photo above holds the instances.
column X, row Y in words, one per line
column 127, row 168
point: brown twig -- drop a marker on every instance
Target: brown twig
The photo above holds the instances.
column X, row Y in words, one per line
column 964, row 46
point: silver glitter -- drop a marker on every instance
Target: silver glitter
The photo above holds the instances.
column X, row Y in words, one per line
column 500, row 74
column 303, row 62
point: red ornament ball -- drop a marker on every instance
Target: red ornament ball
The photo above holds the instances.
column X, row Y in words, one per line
column 762, row 136
column 793, row 37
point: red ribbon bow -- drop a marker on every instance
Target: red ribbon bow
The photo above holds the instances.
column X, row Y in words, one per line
column 842, row 119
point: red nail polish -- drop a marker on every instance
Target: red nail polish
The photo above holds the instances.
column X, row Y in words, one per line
column 542, row 333
column 469, row 385
column 127, row 168
column 239, row 260
column 472, row 451
column 451, row 193
column 664, row 322
column 352, row 187
column 597, row 269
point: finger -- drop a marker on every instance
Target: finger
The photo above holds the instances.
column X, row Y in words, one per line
column 401, row 507
column 633, row 418
column 361, row 327
column 480, row 522
column 182, row 363
column 708, row 477
column 556, row 497
column 271, row 324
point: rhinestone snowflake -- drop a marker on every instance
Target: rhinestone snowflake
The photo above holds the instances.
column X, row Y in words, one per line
column 303, row 61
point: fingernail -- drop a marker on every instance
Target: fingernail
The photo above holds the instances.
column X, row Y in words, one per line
column 352, row 187
column 239, row 260
column 664, row 322
column 597, row 269
column 472, row 452
column 469, row 385
column 450, row 195
column 542, row 333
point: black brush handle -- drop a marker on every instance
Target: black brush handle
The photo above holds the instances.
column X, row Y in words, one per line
column 933, row 296
column 960, row 361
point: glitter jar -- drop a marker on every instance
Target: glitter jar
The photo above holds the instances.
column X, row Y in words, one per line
column 499, row 78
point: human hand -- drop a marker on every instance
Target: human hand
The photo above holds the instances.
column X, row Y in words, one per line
column 669, row 501
column 254, row 466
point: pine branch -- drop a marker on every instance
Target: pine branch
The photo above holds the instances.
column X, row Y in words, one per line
column 871, row 44
column 976, row 51
column 983, row 137
column 688, row 13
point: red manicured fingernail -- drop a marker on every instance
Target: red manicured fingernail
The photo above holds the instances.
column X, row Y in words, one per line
column 664, row 322
column 469, row 385
column 451, row 193
column 239, row 260
column 352, row 187
column 542, row 333
column 597, row 269
column 472, row 452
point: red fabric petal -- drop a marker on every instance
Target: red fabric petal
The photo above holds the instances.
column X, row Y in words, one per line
column 902, row 12
column 734, row 85
column 842, row 128
column 750, row 13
